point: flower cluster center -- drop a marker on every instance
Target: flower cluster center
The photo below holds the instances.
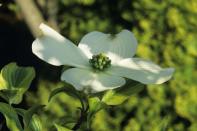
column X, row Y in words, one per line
column 100, row 62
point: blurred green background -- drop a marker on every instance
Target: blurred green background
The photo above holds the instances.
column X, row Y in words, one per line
column 167, row 34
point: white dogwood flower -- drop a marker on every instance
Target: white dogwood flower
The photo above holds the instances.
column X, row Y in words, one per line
column 101, row 61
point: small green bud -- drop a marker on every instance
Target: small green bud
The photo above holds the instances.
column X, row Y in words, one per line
column 100, row 60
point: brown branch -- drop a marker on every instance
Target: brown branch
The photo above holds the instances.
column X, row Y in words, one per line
column 32, row 15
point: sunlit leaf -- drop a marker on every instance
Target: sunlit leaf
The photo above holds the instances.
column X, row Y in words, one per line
column 15, row 82
column 95, row 105
column 30, row 119
column 2, row 83
column 35, row 124
column 30, row 112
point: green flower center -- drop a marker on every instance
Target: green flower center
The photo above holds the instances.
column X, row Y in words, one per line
column 100, row 62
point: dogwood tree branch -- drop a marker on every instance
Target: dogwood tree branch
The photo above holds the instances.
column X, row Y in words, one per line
column 32, row 15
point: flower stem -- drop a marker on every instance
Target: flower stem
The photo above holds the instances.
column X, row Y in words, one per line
column 83, row 114
column 80, row 121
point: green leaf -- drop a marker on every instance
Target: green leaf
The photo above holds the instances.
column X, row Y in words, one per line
column 20, row 111
column 3, row 84
column 17, row 77
column 68, row 90
column 30, row 112
column 11, row 117
column 30, row 120
column 15, row 81
column 35, row 124
column 10, row 95
column 95, row 105
column 61, row 128
column 119, row 95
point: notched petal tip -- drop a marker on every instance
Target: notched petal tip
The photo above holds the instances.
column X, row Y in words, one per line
column 40, row 30
column 129, row 33
column 126, row 31
column 172, row 70
column 50, row 32
column 165, row 76
column 42, row 25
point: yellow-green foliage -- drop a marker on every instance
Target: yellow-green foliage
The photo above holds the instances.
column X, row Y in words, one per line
column 167, row 34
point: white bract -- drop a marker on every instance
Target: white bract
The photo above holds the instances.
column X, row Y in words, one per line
column 117, row 49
